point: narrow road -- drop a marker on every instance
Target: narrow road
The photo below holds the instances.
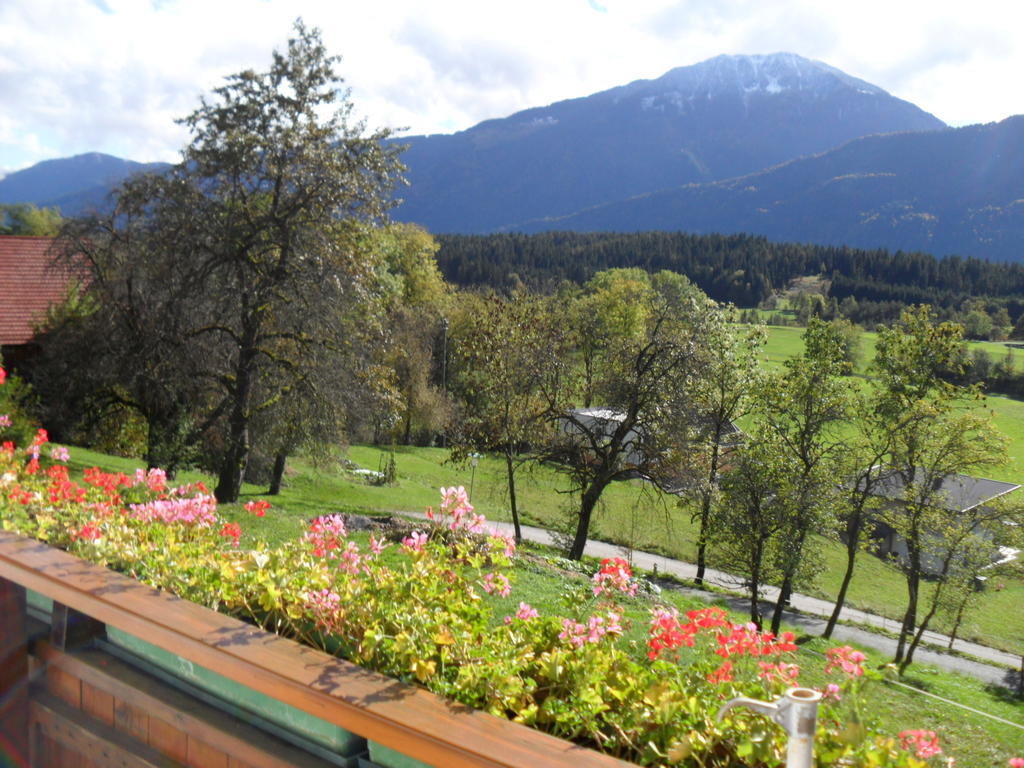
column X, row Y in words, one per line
column 808, row 613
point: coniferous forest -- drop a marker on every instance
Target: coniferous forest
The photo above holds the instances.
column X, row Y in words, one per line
column 742, row 269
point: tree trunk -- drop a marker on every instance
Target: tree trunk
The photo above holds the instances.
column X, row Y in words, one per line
column 957, row 621
column 702, row 538
column 705, row 509
column 852, row 540
column 587, row 503
column 785, row 592
column 407, row 437
column 917, row 636
column 236, row 454
column 510, row 467
column 910, row 616
column 1020, row 679
column 275, row 481
column 755, row 589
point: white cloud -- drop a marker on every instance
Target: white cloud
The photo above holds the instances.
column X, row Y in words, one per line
column 111, row 76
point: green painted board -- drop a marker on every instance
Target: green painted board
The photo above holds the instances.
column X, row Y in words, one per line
column 385, row 757
column 316, row 730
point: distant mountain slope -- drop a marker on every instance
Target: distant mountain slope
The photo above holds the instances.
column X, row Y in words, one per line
column 72, row 183
column 725, row 117
column 952, row 191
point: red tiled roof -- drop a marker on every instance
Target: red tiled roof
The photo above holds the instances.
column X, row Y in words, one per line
column 29, row 284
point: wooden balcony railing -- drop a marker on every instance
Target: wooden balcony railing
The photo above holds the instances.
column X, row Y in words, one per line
column 66, row 702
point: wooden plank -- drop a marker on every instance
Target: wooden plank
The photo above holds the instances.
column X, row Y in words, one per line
column 65, row 686
column 398, row 715
column 14, row 711
column 202, row 755
column 97, row 703
column 131, row 719
column 168, row 740
column 86, row 739
column 172, row 713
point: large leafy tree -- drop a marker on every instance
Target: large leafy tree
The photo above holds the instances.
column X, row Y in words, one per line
column 642, row 389
column 722, row 394
column 229, row 270
column 28, row 220
column 933, row 436
column 801, row 410
column 508, row 355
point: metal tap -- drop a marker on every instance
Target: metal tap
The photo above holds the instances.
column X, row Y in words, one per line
column 797, row 712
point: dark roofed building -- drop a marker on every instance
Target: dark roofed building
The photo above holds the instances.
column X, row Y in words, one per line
column 953, row 492
column 957, row 493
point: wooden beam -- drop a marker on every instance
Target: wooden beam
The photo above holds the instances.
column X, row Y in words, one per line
column 401, row 716
column 14, row 728
column 102, row 745
column 133, row 689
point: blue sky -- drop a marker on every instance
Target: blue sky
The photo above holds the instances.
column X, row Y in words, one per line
column 112, row 75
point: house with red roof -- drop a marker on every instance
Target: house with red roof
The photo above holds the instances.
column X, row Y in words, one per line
column 29, row 283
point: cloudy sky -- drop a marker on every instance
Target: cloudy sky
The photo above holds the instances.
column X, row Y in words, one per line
column 112, row 75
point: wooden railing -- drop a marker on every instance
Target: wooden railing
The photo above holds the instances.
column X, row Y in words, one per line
column 399, row 716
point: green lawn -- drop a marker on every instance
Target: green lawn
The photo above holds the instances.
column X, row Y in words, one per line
column 784, row 342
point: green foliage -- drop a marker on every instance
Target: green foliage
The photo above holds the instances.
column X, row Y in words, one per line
column 26, row 219
column 16, row 406
column 238, row 291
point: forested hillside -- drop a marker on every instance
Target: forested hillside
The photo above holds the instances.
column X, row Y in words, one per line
column 743, row 269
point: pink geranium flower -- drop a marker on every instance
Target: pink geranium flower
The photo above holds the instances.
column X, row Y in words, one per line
column 415, row 542
column 497, row 582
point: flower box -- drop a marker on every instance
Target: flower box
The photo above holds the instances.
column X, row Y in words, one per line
column 251, row 669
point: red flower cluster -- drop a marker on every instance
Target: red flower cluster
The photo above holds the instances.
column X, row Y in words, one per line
column 924, row 743
column 668, row 633
column 232, row 531
column 614, row 576
column 89, row 532
column 258, row 508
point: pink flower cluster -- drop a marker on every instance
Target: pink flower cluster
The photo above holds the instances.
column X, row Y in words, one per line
column 497, row 582
column 323, row 604
column 5, row 420
column 325, row 535
column 526, row 612
column 614, row 576
column 786, row 673
column 155, row 479
column 847, row 659
column 199, row 510
column 925, row 744
column 455, row 505
column 577, row 634
column 414, row 542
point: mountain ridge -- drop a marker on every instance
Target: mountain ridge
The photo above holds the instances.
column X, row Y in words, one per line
column 645, row 135
column 956, row 191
